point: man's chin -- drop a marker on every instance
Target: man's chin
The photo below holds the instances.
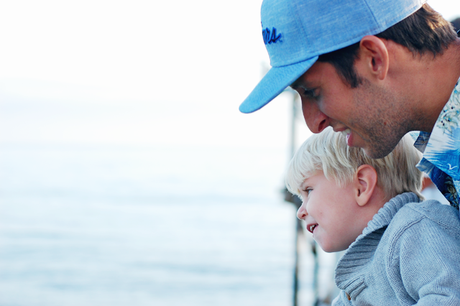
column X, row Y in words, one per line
column 376, row 153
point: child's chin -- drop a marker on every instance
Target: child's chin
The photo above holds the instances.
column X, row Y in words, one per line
column 330, row 249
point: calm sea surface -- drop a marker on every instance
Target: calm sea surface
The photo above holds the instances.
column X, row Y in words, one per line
column 95, row 225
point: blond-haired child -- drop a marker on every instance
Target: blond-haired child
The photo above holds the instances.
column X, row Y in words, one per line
column 400, row 250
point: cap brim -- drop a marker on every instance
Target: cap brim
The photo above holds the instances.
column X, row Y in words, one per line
column 273, row 83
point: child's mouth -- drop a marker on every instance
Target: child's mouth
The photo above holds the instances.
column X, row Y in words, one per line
column 311, row 227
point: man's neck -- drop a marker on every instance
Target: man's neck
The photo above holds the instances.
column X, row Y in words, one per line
column 440, row 76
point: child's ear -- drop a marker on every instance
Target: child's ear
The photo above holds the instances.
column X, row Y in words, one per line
column 365, row 181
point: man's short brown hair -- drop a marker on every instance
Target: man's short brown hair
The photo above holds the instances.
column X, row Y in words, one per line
column 424, row 31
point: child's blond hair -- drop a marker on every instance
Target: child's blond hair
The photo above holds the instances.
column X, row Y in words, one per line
column 329, row 152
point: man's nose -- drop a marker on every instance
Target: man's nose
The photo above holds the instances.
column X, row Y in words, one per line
column 314, row 118
column 302, row 212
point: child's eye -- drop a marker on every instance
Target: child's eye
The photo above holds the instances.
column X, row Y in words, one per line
column 307, row 190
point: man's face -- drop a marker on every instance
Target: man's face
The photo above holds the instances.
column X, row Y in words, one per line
column 370, row 114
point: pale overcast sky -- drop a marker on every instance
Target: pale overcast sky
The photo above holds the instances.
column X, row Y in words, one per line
column 152, row 72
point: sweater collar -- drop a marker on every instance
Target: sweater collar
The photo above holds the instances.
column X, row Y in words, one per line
column 347, row 276
column 385, row 214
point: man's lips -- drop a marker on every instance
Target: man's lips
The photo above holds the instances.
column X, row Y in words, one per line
column 311, row 227
column 347, row 133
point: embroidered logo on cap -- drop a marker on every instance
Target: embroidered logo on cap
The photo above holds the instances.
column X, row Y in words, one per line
column 270, row 36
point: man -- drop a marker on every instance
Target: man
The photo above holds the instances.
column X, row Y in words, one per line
column 372, row 69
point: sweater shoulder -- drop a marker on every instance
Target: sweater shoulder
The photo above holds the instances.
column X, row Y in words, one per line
column 427, row 213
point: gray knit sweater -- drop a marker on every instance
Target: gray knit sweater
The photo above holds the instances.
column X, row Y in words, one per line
column 409, row 254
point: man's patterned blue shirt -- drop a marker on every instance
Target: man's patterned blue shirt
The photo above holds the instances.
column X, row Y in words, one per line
column 441, row 149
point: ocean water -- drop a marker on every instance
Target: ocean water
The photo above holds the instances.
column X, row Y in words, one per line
column 121, row 225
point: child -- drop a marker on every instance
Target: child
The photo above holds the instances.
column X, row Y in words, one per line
column 399, row 250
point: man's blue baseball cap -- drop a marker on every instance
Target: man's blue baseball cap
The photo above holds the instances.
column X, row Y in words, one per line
column 296, row 32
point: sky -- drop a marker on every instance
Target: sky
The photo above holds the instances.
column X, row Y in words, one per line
column 138, row 72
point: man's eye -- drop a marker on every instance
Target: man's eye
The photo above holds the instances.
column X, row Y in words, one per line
column 310, row 93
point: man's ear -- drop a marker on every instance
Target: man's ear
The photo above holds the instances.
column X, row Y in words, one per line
column 373, row 57
column 365, row 181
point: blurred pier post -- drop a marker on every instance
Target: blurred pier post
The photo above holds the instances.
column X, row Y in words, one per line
column 299, row 231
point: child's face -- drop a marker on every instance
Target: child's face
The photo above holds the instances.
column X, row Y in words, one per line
column 330, row 212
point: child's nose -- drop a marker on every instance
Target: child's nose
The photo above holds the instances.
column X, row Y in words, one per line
column 302, row 212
